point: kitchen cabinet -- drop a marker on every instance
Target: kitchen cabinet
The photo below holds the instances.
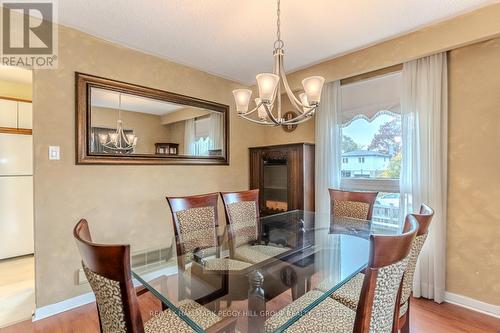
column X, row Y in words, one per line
column 25, row 115
column 8, row 113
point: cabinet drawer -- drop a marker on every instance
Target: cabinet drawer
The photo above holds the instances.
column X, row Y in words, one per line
column 25, row 115
column 8, row 113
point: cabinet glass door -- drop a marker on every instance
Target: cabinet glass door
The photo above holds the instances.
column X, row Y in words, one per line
column 275, row 191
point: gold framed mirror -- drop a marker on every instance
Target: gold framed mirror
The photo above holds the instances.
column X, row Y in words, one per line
column 123, row 123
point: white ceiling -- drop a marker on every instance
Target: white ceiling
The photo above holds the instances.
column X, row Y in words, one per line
column 111, row 99
column 234, row 38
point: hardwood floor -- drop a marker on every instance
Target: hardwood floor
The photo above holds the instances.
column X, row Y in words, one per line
column 426, row 317
column 17, row 289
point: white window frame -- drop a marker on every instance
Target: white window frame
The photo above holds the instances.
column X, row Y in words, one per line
column 370, row 184
column 387, row 185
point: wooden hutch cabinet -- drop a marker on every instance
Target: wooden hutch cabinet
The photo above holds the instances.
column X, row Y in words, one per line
column 285, row 176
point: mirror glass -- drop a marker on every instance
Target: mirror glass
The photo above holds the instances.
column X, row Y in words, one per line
column 127, row 124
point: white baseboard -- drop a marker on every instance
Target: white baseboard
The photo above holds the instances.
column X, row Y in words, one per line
column 67, row 304
column 74, row 302
column 472, row 304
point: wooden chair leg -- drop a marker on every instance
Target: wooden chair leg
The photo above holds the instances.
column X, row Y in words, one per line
column 405, row 328
column 308, row 284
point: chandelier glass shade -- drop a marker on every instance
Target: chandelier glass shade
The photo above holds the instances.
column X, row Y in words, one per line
column 118, row 141
column 267, row 110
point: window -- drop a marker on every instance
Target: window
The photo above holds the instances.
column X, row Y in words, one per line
column 371, row 134
column 345, row 160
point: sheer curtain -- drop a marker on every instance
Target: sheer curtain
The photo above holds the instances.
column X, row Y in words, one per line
column 189, row 137
column 215, row 131
column 328, row 140
column 327, row 171
column 423, row 178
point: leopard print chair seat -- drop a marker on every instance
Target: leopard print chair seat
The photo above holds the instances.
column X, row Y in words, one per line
column 107, row 268
column 356, row 205
column 349, row 293
column 254, row 254
column 333, row 316
column 375, row 312
column 353, row 209
column 242, row 212
column 112, row 314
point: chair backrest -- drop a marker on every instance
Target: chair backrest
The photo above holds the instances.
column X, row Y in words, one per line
column 377, row 306
column 242, row 213
column 352, row 204
column 195, row 220
column 107, row 268
column 424, row 219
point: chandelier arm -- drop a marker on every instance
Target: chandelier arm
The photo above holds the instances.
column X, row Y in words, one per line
column 292, row 122
column 107, row 145
column 295, row 101
column 300, row 117
column 257, row 121
column 271, row 116
column 278, row 104
column 251, row 111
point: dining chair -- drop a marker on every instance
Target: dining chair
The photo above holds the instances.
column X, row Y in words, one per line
column 358, row 205
column 242, row 213
column 196, row 224
column 349, row 294
column 377, row 306
column 107, row 268
column 195, row 221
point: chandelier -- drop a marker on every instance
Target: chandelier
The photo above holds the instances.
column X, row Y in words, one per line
column 118, row 141
column 268, row 104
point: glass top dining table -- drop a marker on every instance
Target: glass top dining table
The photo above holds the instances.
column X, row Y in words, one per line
column 307, row 253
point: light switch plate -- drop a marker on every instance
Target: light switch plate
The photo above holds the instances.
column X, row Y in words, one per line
column 54, row 153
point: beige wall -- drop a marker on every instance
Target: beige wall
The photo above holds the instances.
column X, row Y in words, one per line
column 473, row 244
column 147, row 127
column 183, row 114
column 176, row 134
column 473, row 224
column 122, row 203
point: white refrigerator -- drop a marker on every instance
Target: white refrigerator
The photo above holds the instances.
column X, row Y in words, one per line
column 16, row 195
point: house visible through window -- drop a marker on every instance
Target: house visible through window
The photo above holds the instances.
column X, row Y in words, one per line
column 371, row 138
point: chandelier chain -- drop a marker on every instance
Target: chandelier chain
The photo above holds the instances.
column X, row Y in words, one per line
column 278, row 44
column 119, row 106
